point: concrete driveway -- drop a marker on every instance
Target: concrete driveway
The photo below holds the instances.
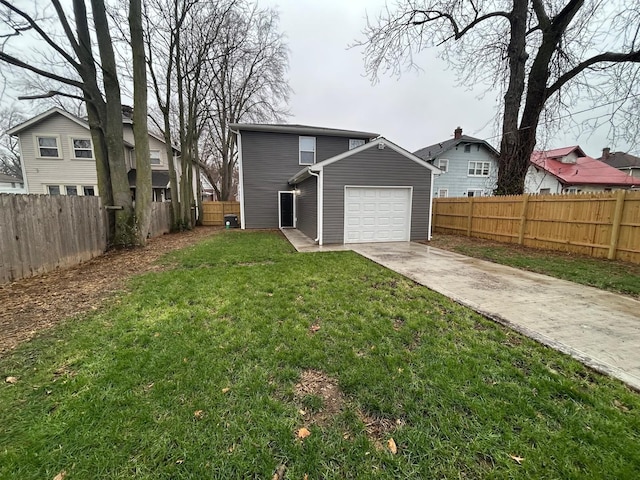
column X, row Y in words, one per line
column 599, row 328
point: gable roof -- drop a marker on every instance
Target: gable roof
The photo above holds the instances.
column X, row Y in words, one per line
column 299, row 129
column 307, row 171
column 430, row 152
column 43, row 116
column 621, row 160
column 585, row 171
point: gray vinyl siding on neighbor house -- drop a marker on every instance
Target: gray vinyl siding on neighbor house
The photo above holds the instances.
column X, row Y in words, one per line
column 268, row 160
column 457, row 180
column 307, row 207
column 375, row 168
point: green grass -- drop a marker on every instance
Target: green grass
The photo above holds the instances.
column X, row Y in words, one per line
column 113, row 394
column 619, row 277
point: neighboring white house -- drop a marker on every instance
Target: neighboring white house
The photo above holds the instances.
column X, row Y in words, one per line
column 469, row 166
column 570, row 170
column 9, row 184
column 58, row 158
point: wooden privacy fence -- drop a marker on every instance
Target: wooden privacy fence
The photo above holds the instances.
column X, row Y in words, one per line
column 603, row 225
column 213, row 212
column 39, row 233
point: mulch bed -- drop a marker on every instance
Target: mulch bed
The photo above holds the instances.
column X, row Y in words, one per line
column 34, row 304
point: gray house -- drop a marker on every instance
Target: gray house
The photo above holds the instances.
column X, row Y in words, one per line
column 335, row 186
column 469, row 166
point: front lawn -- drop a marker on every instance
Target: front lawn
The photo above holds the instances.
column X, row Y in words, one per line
column 243, row 359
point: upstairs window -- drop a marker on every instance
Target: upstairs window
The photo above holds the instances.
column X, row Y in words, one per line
column 82, row 148
column 355, row 143
column 48, row 147
column 443, row 164
column 307, row 150
column 467, row 148
column 479, row 169
column 155, row 157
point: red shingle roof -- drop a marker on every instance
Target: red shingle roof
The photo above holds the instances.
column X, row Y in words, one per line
column 585, row 171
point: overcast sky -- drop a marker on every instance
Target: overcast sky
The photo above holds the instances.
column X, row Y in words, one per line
column 415, row 110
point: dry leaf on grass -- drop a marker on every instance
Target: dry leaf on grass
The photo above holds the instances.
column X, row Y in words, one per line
column 199, row 414
column 279, row 475
column 180, row 461
column 314, row 328
column 391, row 444
column 303, row 433
column 61, row 475
column 11, row 380
column 516, row 459
column 225, row 390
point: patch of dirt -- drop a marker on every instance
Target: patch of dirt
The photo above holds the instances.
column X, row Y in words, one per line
column 317, row 383
column 33, row 304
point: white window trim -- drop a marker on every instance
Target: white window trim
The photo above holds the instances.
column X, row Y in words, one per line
column 446, row 168
column 82, row 187
column 37, row 145
column 72, row 186
column 479, row 191
column 300, row 150
column 159, row 157
column 73, row 149
column 446, row 193
column 46, row 188
column 352, row 142
column 476, row 162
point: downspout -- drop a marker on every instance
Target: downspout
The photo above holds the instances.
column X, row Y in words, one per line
column 241, row 177
column 319, row 212
column 430, row 207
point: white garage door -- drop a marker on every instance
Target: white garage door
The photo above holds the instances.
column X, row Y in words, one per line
column 377, row 214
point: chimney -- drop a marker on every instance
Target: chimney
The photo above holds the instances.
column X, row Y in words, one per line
column 605, row 153
column 457, row 133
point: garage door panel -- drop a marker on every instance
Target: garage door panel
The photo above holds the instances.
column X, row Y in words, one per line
column 382, row 214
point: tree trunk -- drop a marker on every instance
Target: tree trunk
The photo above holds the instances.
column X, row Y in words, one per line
column 144, row 190
column 125, row 228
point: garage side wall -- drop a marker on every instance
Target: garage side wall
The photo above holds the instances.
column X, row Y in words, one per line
column 268, row 160
column 375, row 168
column 307, row 207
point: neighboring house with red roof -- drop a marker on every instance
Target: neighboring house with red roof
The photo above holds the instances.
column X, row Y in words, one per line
column 570, row 170
column 625, row 162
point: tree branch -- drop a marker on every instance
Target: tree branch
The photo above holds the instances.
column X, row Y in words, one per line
column 49, row 94
column 633, row 57
column 4, row 57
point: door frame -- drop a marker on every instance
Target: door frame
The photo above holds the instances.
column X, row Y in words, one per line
column 293, row 199
column 409, row 188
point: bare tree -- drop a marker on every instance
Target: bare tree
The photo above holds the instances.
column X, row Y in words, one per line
column 9, row 148
column 247, row 75
column 99, row 89
column 544, row 55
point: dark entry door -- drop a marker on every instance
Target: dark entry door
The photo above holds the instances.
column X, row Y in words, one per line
column 287, row 209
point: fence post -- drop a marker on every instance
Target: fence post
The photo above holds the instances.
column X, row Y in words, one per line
column 470, row 217
column 615, row 227
column 523, row 218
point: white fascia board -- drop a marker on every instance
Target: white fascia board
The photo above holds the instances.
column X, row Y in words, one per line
column 38, row 118
column 374, row 143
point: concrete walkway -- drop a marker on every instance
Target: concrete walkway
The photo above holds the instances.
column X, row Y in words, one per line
column 599, row 328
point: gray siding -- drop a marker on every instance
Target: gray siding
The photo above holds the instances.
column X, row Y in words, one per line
column 307, row 207
column 457, row 180
column 268, row 161
column 373, row 168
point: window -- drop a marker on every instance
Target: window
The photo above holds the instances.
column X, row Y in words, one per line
column 467, row 148
column 443, row 193
column 474, row 193
column 71, row 190
column 307, row 150
column 545, row 191
column 355, row 142
column 53, row 189
column 155, row 157
column 82, row 148
column 479, row 169
column 89, row 191
column 48, row 147
column 13, row 184
column 443, row 164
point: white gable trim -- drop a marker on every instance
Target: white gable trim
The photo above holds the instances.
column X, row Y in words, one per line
column 38, row 118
